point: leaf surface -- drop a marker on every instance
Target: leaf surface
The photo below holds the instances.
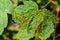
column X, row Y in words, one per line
column 3, row 21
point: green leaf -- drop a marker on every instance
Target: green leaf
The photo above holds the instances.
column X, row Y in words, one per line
column 36, row 21
column 23, row 34
column 6, row 5
column 23, row 15
column 3, row 21
column 44, row 34
column 24, row 12
column 50, row 15
column 47, row 26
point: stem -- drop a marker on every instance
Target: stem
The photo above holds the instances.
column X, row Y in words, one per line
column 53, row 35
column 46, row 4
column 55, row 3
column 58, row 35
column 55, row 26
